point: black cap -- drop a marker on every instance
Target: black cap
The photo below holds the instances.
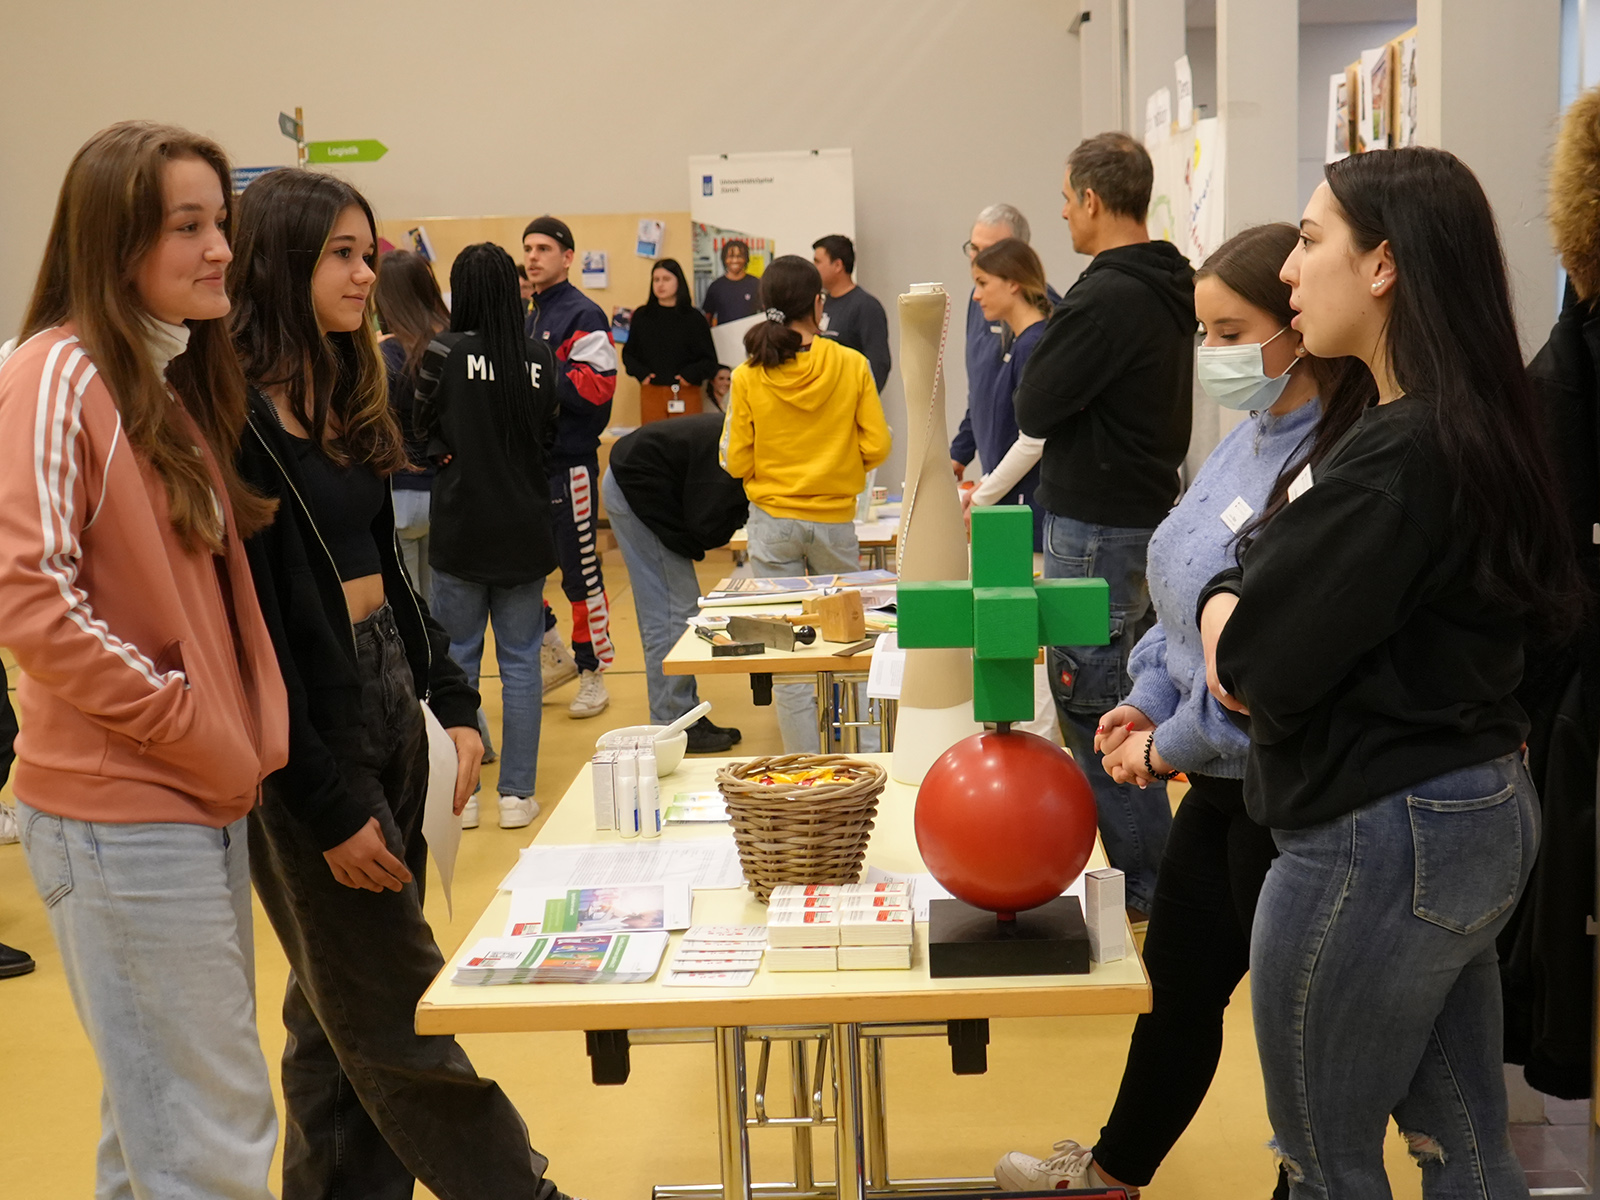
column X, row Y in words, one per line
column 554, row 229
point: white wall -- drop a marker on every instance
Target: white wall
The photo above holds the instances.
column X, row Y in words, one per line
column 493, row 107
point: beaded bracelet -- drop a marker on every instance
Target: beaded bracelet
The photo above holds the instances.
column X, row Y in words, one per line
column 1149, row 768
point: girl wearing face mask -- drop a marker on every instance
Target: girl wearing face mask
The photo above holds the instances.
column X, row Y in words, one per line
column 1198, row 945
column 337, row 845
column 1008, row 284
column 1374, row 632
column 151, row 699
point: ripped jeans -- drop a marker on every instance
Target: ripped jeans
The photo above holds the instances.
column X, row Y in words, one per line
column 1376, row 986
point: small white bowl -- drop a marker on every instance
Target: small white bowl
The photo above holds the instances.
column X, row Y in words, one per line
column 669, row 753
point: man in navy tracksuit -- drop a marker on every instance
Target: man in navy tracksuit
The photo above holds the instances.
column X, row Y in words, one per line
column 576, row 329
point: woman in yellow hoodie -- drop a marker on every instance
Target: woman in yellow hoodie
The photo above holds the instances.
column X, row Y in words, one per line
column 804, row 427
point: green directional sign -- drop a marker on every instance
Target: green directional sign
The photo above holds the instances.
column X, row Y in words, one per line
column 355, row 150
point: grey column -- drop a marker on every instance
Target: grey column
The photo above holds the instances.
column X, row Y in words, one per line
column 1258, row 73
column 1489, row 92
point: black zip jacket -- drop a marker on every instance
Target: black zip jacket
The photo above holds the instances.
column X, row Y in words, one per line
column 1546, row 951
column 669, row 474
column 1366, row 655
column 8, row 734
column 301, row 598
column 1110, row 388
column 490, row 521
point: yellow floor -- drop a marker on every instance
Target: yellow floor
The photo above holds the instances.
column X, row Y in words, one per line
column 1047, row 1079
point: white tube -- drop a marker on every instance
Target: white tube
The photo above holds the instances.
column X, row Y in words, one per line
column 628, row 793
column 649, row 795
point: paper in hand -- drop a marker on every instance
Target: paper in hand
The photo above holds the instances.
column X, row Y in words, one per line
column 440, row 825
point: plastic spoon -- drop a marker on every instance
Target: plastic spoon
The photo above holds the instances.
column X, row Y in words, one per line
column 683, row 722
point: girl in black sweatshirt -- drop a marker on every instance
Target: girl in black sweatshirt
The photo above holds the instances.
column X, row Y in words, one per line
column 669, row 341
column 1374, row 634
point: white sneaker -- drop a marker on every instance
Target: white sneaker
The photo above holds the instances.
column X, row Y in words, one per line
column 8, row 825
column 592, row 698
column 517, row 811
column 469, row 814
column 556, row 663
column 1069, row 1169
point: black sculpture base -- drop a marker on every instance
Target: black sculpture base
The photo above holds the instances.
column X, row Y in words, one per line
column 1048, row 940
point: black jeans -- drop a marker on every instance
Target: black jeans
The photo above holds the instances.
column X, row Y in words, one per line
column 371, row 1105
column 1197, row 950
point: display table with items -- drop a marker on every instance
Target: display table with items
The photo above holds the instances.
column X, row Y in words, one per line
column 765, row 639
column 590, row 904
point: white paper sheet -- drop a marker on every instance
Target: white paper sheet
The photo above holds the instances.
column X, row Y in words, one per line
column 440, row 825
column 888, row 668
column 710, row 862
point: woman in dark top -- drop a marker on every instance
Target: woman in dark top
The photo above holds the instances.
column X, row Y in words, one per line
column 669, row 345
column 411, row 311
column 1374, row 634
column 486, row 403
column 337, row 854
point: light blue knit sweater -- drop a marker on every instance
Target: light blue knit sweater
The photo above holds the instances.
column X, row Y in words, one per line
column 1194, row 543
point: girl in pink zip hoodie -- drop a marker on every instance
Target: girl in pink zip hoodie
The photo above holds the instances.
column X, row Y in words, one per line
column 152, row 705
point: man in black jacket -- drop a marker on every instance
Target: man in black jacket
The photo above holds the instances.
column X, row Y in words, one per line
column 1109, row 389
column 669, row 501
column 12, row 960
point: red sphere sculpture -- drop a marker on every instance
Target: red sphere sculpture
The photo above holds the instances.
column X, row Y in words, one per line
column 1005, row 821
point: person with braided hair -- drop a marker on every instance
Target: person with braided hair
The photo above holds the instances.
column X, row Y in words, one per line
column 486, row 405
column 804, row 426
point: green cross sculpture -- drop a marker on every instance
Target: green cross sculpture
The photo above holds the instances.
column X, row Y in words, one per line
column 1003, row 615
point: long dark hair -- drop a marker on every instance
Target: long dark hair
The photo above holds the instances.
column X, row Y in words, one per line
column 789, row 289
column 684, row 298
column 484, row 300
column 1248, row 264
column 283, row 223
column 1452, row 345
column 109, row 215
column 409, row 304
column 1012, row 258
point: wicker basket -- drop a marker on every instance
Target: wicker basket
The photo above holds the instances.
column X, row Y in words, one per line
column 791, row 834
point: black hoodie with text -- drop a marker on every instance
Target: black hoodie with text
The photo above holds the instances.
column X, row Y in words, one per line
column 1110, row 385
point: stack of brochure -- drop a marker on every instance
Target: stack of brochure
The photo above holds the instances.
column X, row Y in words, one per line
column 621, row 908
column 564, row 958
column 826, row 927
column 717, row 956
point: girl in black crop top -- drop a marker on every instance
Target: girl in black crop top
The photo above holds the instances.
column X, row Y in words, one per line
column 358, row 651
column 346, row 501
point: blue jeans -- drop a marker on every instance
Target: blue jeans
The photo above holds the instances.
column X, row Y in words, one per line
column 465, row 610
column 782, row 546
column 413, row 508
column 666, row 593
column 1089, row 681
column 153, row 920
column 1376, row 987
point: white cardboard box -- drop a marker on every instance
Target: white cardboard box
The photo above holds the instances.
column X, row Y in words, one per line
column 1105, row 914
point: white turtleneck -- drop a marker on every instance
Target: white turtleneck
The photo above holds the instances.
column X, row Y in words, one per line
column 164, row 343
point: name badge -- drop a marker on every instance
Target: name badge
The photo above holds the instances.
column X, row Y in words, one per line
column 994, row 329
column 823, row 326
column 1301, row 485
column 1236, row 514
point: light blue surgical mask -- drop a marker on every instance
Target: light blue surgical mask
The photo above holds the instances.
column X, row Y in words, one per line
column 1235, row 378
